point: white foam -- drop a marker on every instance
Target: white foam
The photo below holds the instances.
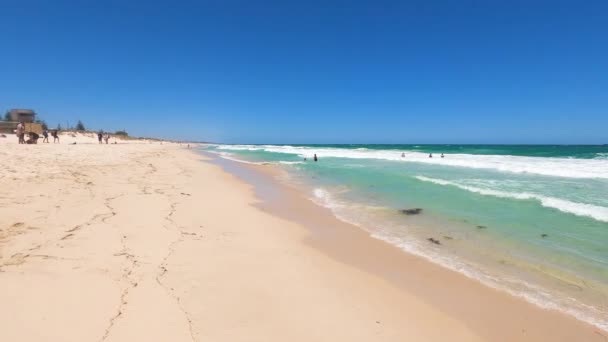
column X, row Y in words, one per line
column 324, row 198
column 320, row 193
column 580, row 209
column 231, row 156
column 559, row 167
column 291, row 162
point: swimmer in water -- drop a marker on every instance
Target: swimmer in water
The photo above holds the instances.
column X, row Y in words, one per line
column 402, row 155
column 442, row 155
column 316, row 157
column 430, row 155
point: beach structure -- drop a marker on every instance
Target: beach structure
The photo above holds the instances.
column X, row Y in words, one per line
column 15, row 116
column 7, row 126
column 22, row 115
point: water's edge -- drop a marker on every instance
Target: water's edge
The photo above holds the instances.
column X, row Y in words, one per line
column 271, row 193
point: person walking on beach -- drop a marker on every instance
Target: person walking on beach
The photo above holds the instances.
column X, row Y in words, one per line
column 315, row 158
column 106, row 137
column 21, row 132
column 45, row 134
column 99, row 136
column 55, row 136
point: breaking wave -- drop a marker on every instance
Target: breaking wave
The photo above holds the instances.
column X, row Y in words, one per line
column 580, row 209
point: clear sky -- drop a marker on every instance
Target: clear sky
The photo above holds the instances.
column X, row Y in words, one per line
column 313, row 71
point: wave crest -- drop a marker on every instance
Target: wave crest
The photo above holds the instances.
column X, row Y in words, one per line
column 580, row 209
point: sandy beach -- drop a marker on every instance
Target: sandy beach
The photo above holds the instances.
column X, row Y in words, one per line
column 142, row 241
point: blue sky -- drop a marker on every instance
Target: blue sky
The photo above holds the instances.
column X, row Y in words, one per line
column 313, row 72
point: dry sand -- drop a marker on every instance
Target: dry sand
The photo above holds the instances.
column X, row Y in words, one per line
column 145, row 242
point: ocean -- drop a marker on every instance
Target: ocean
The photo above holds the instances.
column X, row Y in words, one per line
column 531, row 220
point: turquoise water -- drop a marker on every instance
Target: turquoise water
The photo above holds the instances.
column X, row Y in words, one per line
column 530, row 220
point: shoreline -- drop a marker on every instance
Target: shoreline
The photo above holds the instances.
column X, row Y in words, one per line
column 155, row 242
column 341, row 240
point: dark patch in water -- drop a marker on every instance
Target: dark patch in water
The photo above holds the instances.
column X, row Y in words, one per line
column 437, row 242
column 544, row 235
column 414, row 211
column 481, row 227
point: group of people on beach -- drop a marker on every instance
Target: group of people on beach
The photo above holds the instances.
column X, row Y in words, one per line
column 101, row 136
column 33, row 136
column 20, row 131
column 54, row 133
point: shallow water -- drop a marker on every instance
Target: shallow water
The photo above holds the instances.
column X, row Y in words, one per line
column 531, row 220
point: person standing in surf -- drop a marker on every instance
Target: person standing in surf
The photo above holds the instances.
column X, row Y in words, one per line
column 315, row 158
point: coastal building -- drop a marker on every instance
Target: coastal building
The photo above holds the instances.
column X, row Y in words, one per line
column 22, row 115
column 14, row 116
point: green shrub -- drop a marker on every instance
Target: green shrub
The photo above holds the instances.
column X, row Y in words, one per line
column 80, row 126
